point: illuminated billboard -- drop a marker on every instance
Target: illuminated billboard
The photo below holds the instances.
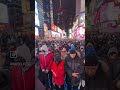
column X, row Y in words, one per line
column 53, row 33
column 53, row 27
column 36, row 31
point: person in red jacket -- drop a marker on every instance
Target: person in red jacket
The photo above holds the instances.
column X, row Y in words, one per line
column 58, row 72
column 46, row 60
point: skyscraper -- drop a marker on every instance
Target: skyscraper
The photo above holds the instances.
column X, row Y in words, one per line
column 39, row 17
column 47, row 15
column 58, row 13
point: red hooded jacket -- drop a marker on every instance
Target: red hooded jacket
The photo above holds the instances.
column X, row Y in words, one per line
column 46, row 61
column 58, row 73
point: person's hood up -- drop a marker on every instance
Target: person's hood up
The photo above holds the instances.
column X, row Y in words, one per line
column 73, row 47
column 45, row 48
column 89, row 45
column 113, row 49
column 81, row 47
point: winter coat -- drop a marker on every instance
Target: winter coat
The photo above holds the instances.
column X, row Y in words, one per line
column 74, row 66
column 58, row 73
column 46, row 61
column 115, row 73
column 98, row 82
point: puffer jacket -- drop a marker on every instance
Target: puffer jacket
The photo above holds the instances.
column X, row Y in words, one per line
column 58, row 73
column 74, row 66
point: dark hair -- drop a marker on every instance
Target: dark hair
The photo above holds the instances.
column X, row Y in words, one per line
column 57, row 52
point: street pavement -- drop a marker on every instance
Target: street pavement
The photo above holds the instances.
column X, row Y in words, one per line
column 38, row 84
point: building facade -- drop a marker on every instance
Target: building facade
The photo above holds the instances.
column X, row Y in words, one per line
column 39, row 18
column 15, row 14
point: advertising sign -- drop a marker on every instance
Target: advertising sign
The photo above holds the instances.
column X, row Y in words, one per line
column 58, row 35
column 3, row 13
column 53, row 27
column 46, row 30
column 53, row 33
column 59, row 30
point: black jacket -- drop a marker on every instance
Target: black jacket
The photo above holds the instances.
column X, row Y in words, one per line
column 71, row 66
column 98, row 82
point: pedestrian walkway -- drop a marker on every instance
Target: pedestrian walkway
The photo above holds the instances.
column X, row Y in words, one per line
column 38, row 84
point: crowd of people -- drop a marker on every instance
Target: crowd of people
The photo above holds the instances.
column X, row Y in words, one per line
column 60, row 64
column 93, row 64
column 106, row 48
column 73, row 65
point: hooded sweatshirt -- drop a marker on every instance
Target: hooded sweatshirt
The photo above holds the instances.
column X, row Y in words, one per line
column 46, row 58
column 45, row 48
column 115, row 65
column 113, row 49
column 90, row 49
